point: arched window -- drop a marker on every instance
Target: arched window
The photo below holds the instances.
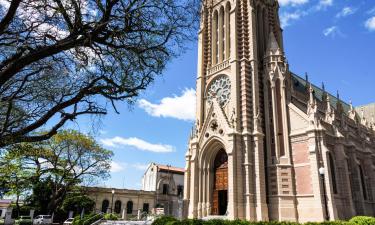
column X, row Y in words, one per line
column 118, row 207
column 363, row 183
column 214, row 40
column 227, row 34
column 129, row 207
column 165, row 189
column 105, row 205
column 221, row 35
column 333, row 173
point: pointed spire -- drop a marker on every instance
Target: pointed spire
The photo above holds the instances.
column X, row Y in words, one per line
column 307, row 77
column 323, row 87
column 311, row 93
column 338, row 95
column 273, row 45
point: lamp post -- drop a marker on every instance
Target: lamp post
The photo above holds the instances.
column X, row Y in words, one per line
column 322, row 174
column 113, row 193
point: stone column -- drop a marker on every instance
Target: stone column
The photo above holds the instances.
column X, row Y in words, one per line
column 194, row 188
column 260, row 183
column 318, row 206
column 232, row 187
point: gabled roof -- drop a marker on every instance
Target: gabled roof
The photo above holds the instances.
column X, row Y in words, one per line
column 166, row 168
column 300, row 85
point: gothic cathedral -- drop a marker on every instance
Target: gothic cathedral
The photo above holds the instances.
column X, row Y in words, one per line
column 268, row 144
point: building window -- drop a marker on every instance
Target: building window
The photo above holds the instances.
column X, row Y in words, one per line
column 105, row 205
column 333, row 173
column 129, row 207
column 180, row 190
column 118, row 207
column 146, row 207
column 363, row 183
column 165, row 189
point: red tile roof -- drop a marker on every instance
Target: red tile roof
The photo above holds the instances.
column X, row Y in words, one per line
column 170, row 168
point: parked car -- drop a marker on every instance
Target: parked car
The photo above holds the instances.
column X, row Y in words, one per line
column 69, row 221
column 24, row 220
column 43, row 219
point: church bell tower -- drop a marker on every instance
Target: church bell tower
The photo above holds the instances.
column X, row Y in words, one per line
column 238, row 161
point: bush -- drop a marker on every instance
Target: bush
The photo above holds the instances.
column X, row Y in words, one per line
column 164, row 220
column 87, row 219
column 110, row 216
column 363, row 220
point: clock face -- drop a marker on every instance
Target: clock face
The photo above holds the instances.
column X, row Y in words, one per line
column 219, row 88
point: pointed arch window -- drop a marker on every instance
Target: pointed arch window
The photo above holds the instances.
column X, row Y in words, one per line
column 221, row 35
column 227, row 32
column 332, row 173
column 363, row 182
column 215, row 24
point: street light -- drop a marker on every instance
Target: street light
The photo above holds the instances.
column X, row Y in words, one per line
column 322, row 173
column 113, row 193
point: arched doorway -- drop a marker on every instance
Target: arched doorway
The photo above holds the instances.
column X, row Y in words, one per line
column 220, row 192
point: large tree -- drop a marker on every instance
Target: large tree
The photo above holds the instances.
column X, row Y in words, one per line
column 61, row 59
column 47, row 171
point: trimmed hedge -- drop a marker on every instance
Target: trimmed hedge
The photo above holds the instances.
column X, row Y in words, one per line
column 363, row 220
column 167, row 220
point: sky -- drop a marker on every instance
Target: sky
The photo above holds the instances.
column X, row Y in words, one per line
column 332, row 40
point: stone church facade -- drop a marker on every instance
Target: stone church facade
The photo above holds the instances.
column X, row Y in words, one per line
column 268, row 144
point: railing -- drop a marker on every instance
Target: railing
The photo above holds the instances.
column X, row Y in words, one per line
column 219, row 67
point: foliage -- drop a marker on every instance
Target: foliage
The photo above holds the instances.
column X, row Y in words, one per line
column 363, row 220
column 24, row 221
column 164, row 220
column 87, row 219
column 172, row 221
column 110, row 216
column 78, row 201
column 63, row 59
column 51, row 170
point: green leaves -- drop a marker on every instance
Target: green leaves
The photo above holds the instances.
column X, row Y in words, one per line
column 47, row 171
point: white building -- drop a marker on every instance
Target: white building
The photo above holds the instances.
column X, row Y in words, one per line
column 168, row 183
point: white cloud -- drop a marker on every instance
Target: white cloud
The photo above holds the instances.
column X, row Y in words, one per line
column 292, row 2
column 137, row 143
column 333, row 32
column 117, row 167
column 179, row 107
column 140, row 166
column 286, row 18
column 4, row 4
column 325, row 3
column 346, row 11
column 370, row 24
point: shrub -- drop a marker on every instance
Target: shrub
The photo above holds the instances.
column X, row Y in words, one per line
column 329, row 223
column 87, row 219
column 164, row 220
column 110, row 216
column 363, row 220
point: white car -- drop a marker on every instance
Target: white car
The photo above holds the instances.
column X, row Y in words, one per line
column 43, row 220
column 68, row 221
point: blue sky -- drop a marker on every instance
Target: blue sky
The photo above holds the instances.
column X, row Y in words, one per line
column 332, row 40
